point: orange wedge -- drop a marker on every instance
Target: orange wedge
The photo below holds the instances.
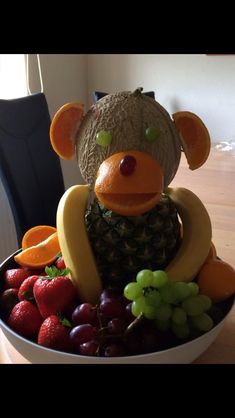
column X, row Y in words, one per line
column 40, row 255
column 64, row 127
column 36, row 235
column 195, row 138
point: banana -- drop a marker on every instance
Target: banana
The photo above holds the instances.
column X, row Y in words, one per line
column 196, row 239
column 74, row 243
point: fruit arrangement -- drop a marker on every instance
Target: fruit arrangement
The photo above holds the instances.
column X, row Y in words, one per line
column 130, row 267
column 152, row 313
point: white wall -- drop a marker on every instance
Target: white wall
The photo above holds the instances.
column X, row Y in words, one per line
column 64, row 80
column 202, row 84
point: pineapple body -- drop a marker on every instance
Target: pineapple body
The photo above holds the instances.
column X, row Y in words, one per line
column 124, row 245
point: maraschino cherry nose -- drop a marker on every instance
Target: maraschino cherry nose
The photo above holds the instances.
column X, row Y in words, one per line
column 127, row 165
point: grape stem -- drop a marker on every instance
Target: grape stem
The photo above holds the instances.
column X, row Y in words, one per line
column 104, row 337
column 98, row 316
column 134, row 323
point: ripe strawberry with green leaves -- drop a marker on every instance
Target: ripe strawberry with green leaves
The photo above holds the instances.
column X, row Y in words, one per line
column 54, row 292
column 15, row 277
column 25, row 319
column 26, row 289
column 54, row 333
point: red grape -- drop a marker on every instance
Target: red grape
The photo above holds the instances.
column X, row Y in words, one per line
column 89, row 348
column 116, row 326
column 109, row 294
column 84, row 314
column 112, row 307
column 8, row 299
column 82, row 334
column 127, row 165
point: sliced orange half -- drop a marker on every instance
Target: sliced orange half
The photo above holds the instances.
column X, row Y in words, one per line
column 40, row 255
column 64, row 127
column 195, row 138
column 36, row 235
column 133, row 194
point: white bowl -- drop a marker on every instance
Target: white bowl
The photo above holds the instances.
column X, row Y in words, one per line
column 182, row 354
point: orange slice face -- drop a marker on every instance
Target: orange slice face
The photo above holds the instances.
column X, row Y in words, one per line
column 36, row 235
column 132, row 194
column 129, row 205
column 63, row 129
column 195, row 138
column 40, row 255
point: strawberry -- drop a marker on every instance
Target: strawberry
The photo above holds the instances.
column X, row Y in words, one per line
column 25, row 319
column 53, row 293
column 60, row 263
column 54, row 333
column 8, row 299
column 26, row 289
column 14, row 277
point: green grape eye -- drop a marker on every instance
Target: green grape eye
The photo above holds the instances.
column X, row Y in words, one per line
column 151, row 134
column 104, row 138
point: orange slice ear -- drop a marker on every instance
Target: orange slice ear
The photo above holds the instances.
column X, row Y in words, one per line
column 195, row 138
column 64, row 127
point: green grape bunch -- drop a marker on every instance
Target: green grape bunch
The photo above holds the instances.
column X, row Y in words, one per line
column 175, row 306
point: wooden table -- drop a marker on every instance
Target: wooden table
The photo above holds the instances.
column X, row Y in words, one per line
column 214, row 183
column 8, row 354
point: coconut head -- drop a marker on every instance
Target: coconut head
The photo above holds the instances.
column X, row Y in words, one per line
column 128, row 133
column 126, row 116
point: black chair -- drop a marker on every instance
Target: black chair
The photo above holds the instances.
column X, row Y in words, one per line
column 29, row 168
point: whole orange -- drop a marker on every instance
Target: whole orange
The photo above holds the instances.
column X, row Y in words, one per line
column 216, row 279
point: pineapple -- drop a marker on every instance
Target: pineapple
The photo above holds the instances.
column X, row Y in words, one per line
column 124, row 245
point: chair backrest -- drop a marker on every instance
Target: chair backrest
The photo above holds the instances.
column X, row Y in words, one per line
column 29, row 168
column 97, row 95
